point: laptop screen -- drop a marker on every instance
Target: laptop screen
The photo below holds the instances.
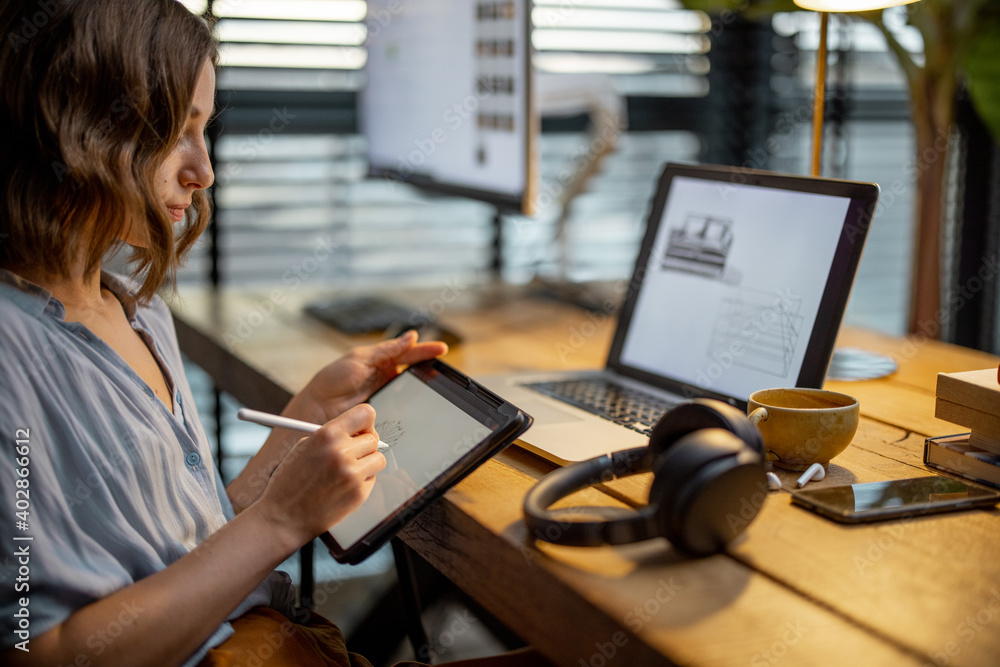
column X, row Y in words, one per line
column 736, row 278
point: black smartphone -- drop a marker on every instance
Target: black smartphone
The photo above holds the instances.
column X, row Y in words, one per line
column 898, row 498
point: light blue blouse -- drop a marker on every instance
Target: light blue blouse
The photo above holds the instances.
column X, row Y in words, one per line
column 118, row 487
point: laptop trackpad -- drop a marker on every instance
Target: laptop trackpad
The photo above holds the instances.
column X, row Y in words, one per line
column 545, row 414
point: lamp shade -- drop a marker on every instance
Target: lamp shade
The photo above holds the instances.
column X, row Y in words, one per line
column 849, row 5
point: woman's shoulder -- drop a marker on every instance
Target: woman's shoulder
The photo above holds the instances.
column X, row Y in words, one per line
column 21, row 309
column 27, row 353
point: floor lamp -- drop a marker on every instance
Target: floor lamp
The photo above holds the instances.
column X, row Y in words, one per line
column 847, row 363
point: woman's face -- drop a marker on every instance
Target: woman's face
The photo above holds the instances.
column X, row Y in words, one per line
column 187, row 167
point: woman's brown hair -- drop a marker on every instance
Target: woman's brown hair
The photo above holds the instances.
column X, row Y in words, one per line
column 94, row 94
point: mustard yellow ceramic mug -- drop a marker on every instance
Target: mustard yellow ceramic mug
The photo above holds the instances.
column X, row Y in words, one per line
column 803, row 426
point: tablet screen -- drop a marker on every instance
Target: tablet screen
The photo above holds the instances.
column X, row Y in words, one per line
column 426, row 435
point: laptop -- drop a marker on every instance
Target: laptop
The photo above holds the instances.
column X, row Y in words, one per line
column 740, row 284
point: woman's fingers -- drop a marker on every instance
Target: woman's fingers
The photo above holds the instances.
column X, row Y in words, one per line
column 406, row 350
column 422, row 351
column 358, row 419
column 372, row 464
column 358, row 424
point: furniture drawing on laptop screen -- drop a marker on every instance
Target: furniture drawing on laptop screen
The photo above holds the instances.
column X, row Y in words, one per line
column 700, row 245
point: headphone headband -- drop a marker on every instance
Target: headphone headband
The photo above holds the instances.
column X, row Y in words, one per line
column 700, row 413
column 544, row 524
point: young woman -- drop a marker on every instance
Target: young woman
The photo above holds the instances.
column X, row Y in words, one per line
column 120, row 546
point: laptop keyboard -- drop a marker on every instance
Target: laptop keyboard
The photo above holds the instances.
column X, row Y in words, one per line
column 631, row 408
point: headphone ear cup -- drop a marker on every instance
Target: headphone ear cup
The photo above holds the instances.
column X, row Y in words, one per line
column 676, row 467
column 704, row 490
column 701, row 413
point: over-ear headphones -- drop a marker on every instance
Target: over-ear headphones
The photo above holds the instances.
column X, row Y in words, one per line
column 708, row 484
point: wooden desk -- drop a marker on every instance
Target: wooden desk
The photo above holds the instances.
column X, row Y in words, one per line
column 795, row 590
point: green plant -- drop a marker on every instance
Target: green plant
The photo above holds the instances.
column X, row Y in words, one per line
column 961, row 46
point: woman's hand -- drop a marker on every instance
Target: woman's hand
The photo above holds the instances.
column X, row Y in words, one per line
column 334, row 390
column 324, row 477
column 355, row 376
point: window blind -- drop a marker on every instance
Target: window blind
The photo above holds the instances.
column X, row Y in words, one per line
column 294, row 203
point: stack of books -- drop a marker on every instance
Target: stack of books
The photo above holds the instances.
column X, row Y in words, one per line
column 970, row 399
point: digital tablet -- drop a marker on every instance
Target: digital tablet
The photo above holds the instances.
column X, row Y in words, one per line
column 439, row 426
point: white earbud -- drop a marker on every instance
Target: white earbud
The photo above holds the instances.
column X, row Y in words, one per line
column 773, row 482
column 813, row 472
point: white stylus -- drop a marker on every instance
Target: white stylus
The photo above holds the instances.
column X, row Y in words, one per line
column 277, row 421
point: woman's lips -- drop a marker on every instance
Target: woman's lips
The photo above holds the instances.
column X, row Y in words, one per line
column 177, row 212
